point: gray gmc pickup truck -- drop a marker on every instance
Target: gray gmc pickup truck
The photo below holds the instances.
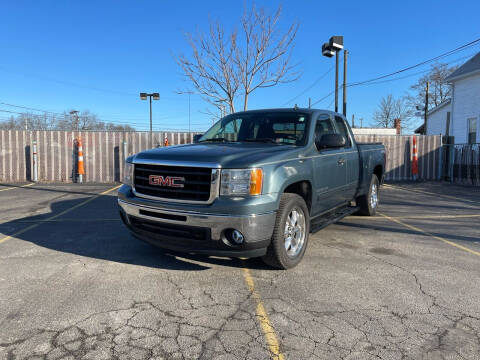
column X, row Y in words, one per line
column 257, row 183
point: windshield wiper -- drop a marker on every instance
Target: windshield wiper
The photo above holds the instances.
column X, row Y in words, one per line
column 213, row 139
column 264, row 140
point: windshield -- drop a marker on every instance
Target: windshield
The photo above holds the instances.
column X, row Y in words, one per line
column 268, row 127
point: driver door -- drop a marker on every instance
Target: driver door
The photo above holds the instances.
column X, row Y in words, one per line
column 329, row 170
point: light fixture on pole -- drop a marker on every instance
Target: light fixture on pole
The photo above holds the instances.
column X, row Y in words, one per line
column 155, row 96
column 330, row 49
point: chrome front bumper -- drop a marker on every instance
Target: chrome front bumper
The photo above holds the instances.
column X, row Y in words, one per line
column 253, row 227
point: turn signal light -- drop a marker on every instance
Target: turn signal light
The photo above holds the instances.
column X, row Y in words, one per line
column 256, row 181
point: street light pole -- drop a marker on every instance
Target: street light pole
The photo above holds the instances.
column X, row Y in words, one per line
column 330, row 49
column 151, row 121
column 345, row 53
column 155, row 96
column 189, row 92
column 336, row 81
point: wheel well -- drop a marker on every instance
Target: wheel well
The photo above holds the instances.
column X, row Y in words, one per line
column 379, row 172
column 304, row 189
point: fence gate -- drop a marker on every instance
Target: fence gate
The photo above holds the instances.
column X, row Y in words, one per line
column 466, row 164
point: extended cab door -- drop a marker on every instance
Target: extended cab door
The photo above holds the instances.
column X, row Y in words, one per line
column 351, row 157
column 329, row 170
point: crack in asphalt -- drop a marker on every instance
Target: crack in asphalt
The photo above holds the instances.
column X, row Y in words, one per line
column 195, row 326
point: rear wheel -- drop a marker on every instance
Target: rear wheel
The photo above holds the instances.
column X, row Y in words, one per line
column 290, row 235
column 368, row 203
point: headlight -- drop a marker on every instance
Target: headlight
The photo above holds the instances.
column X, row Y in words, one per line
column 128, row 174
column 241, row 182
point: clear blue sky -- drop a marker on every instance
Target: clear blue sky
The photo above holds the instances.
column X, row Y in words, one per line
column 98, row 55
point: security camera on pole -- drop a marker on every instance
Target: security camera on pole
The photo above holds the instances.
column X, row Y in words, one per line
column 330, row 49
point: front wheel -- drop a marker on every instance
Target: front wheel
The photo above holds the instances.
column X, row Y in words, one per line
column 368, row 203
column 290, row 235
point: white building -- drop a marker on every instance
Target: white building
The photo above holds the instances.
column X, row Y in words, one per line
column 466, row 102
column 463, row 109
column 374, row 131
column 438, row 119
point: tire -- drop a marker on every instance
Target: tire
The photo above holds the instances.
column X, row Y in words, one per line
column 369, row 203
column 278, row 256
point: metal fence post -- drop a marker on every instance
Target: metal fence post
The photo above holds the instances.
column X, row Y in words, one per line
column 35, row 164
column 125, row 151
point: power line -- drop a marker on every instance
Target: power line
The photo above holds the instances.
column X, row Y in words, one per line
column 417, row 73
column 463, row 47
column 374, row 80
column 99, row 117
column 310, row 86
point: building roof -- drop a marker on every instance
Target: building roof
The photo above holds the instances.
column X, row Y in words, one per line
column 471, row 66
column 439, row 106
column 420, row 130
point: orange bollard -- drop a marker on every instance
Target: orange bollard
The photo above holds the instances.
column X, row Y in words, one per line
column 414, row 159
column 81, row 169
column 165, row 143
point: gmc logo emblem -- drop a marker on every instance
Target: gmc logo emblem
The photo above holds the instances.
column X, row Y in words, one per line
column 170, row 181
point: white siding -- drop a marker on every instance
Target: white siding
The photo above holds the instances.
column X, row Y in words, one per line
column 466, row 104
column 437, row 121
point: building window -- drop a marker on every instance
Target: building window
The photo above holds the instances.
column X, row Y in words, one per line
column 472, row 130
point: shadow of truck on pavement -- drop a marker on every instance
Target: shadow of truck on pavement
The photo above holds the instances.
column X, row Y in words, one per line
column 95, row 230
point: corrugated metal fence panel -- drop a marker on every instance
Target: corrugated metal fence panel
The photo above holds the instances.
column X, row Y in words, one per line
column 399, row 155
column 466, row 164
column 103, row 152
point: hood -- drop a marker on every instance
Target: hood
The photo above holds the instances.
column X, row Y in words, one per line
column 226, row 155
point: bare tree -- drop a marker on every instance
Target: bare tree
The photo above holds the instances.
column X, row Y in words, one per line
column 49, row 121
column 225, row 65
column 211, row 68
column 439, row 89
column 390, row 109
column 264, row 59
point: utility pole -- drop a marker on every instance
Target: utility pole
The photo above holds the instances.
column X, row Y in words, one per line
column 353, row 120
column 309, row 103
column 426, row 107
column 345, row 53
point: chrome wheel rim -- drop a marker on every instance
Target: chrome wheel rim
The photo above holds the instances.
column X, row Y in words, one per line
column 374, row 196
column 294, row 234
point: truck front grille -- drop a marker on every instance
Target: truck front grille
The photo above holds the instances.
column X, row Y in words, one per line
column 173, row 182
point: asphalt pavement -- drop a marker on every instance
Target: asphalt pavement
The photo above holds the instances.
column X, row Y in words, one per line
column 402, row 285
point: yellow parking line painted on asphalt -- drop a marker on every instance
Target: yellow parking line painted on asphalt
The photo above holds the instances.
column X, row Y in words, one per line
column 17, row 187
column 431, row 235
column 420, row 217
column 267, row 328
column 431, row 193
column 58, row 215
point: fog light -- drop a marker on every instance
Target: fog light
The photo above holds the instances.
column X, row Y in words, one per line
column 237, row 237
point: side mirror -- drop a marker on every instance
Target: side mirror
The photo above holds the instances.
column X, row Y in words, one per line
column 330, row 141
column 196, row 137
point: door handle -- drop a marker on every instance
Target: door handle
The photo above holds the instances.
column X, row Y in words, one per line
column 341, row 162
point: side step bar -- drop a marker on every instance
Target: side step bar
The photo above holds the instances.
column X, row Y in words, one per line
column 325, row 220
